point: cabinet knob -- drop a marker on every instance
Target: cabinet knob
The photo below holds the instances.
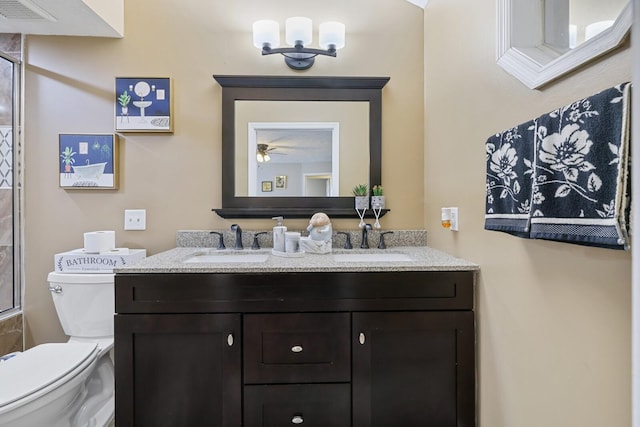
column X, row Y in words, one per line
column 230, row 340
column 297, row 419
column 361, row 338
column 296, row 348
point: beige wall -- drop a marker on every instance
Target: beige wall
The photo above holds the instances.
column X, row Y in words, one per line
column 176, row 177
column 553, row 318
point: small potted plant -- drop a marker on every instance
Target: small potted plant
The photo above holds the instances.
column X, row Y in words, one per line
column 361, row 193
column 124, row 100
column 377, row 200
column 67, row 158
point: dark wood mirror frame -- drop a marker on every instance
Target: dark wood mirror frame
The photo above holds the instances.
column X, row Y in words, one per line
column 278, row 88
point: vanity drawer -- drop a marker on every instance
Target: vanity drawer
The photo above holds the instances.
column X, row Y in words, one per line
column 309, row 405
column 297, row 347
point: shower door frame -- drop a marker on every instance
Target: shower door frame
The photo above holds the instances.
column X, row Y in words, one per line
column 16, row 185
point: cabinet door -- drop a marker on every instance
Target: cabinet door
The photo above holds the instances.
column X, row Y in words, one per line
column 178, row 370
column 413, row 369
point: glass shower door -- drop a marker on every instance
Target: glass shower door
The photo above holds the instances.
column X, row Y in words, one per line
column 9, row 200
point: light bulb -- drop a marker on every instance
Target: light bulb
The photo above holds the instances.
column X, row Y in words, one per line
column 266, row 32
column 331, row 33
column 298, row 29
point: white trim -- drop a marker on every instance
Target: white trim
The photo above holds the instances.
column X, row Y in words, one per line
column 305, row 177
column 574, row 221
column 535, row 73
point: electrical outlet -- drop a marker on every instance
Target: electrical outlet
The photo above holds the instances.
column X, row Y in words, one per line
column 135, row 219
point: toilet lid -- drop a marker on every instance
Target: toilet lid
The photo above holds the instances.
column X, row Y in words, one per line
column 39, row 367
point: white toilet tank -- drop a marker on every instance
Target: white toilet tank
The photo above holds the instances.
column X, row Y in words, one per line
column 84, row 303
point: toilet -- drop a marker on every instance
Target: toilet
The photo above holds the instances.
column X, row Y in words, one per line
column 66, row 384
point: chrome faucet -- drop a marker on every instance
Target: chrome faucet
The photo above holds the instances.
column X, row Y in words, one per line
column 365, row 236
column 238, row 230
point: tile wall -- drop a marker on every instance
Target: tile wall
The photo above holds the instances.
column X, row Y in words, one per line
column 11, row 328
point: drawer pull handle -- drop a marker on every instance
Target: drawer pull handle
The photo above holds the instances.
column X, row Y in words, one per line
column 361, row 338
column 230, row 340
column 296, row 348
column 297, row 419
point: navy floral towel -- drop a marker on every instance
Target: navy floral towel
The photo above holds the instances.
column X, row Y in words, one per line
column 509, row 160
column 581, row 185
column 573, row 165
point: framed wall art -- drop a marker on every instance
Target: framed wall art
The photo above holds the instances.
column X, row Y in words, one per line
column 267, row 186
column 281, row 181
column 88, row 161
column 143, row 104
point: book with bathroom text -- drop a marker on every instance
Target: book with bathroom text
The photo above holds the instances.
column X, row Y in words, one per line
column 81, row 261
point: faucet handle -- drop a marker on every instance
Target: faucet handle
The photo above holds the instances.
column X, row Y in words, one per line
column 238, row 230
column 347, row 243
column 381, row 244
column 256, row 245
column 220, row 240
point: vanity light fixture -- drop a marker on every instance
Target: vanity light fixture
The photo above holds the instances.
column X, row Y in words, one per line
column 298, row 33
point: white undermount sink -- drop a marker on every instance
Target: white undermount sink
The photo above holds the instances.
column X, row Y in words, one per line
column 226, row 257
column 373, row 257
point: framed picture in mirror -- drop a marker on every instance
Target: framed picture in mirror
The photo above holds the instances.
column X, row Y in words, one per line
column 281, row 182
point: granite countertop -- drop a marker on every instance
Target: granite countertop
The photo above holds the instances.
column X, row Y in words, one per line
column 423, row 258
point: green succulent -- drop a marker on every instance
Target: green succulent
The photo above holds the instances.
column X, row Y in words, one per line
column 360, row 190
column 124, row 99
column 377, row 190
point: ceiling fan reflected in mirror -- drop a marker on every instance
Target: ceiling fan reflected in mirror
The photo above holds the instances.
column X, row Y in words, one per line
column 263, row 151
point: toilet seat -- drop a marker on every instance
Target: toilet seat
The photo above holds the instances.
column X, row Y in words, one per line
column 33, row 372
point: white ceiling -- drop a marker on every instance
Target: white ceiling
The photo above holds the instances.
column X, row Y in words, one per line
column 99, row 18
column 420, row 3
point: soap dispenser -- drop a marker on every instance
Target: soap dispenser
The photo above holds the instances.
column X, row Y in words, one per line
column 279, row 234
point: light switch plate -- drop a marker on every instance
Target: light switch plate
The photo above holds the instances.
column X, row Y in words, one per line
column 135, row 219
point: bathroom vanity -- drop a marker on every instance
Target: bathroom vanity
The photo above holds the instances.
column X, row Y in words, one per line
column 290, row 341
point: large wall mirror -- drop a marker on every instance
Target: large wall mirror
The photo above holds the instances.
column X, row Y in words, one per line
column 294, row 146
column 541, row 40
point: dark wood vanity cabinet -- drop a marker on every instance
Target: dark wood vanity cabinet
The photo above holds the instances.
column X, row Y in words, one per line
column 413, row 369
column 362, row 349
column 178, row 370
